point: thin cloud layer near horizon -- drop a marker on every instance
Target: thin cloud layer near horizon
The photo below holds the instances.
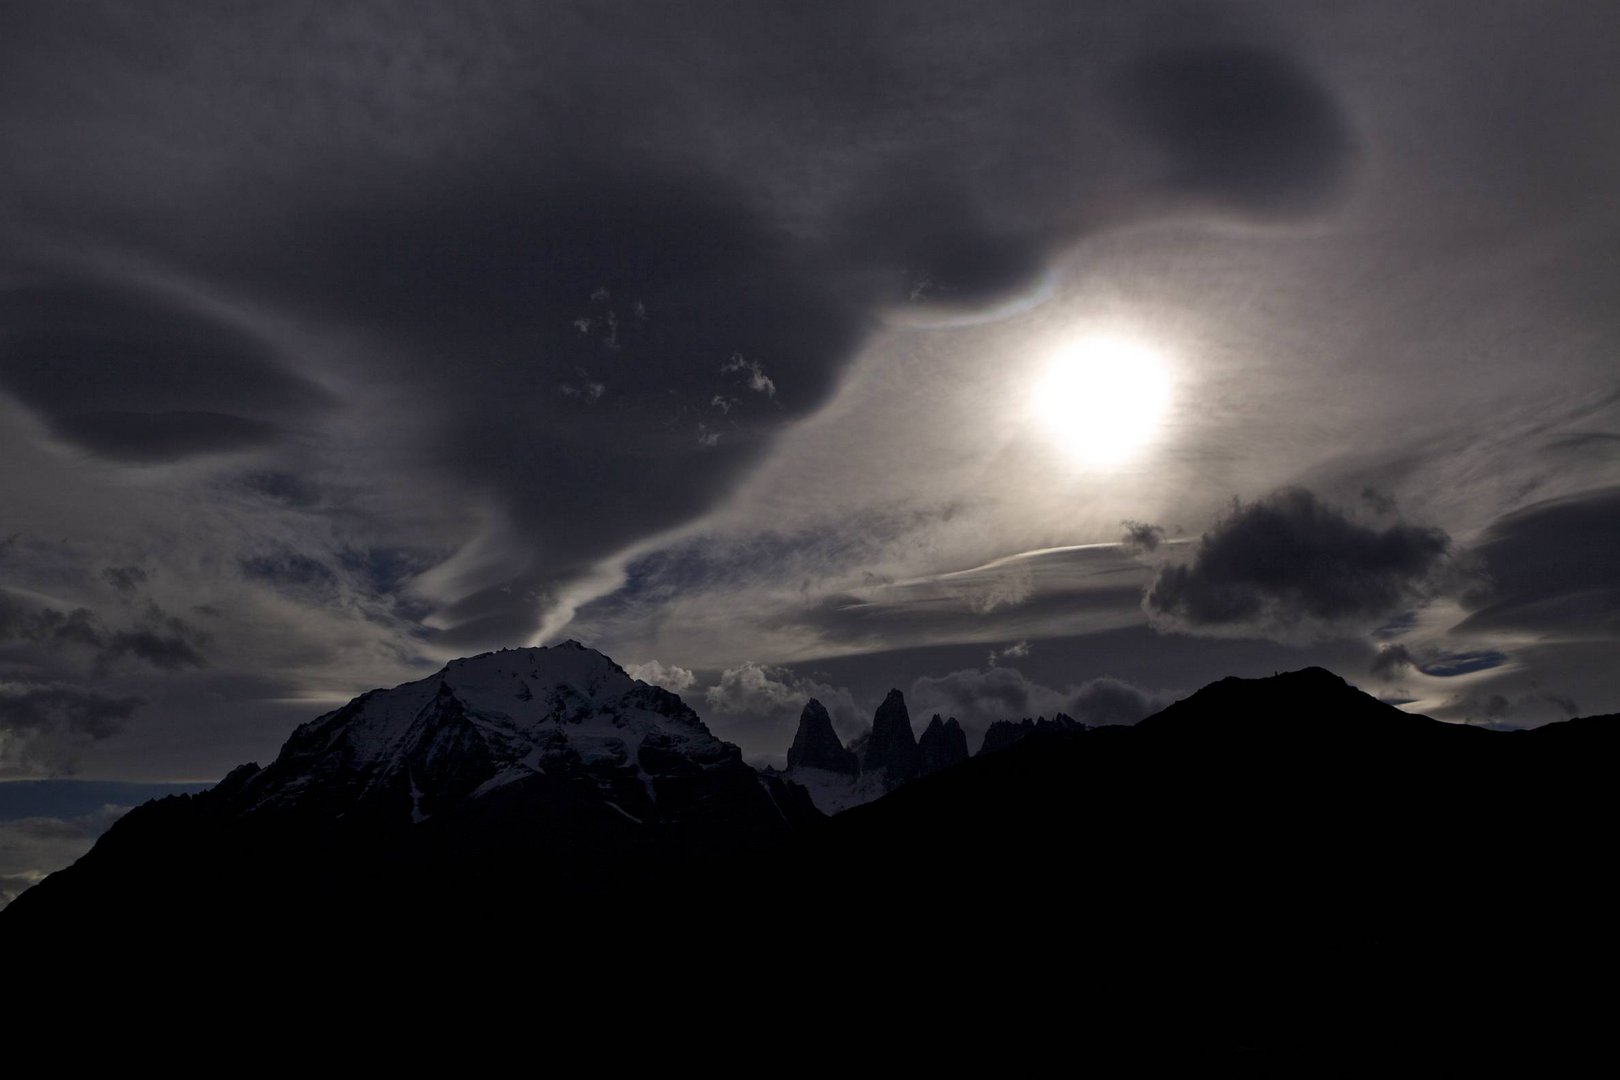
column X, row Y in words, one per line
column 1026, row 357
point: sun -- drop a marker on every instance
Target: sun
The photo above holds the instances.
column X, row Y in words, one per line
column 1103, row 398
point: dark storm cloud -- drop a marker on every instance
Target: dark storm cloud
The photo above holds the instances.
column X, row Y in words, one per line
column 161, row 436
column 577, row 250
column 283, row 487
column 1245, row 127
column 293, row 572
column 131, row 376
column 157, row 638
column 930, row 247
column 1381, row 502
column 566, row 345
column 1140, row 538
column 1552, row 568
column 49, row 626
column 37, row 624
column 124, row 578
column 25, row 707
column 169, row 651
column 44, row 726
column 1290, row 567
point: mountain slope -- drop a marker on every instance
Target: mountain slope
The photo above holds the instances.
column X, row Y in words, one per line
column 1279, row 865
column 1265, row 846
column 513, row 772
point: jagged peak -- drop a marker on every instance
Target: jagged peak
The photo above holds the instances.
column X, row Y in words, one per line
column 816, row 743
column 892, row 747
column 502, row 715
column 942, row 745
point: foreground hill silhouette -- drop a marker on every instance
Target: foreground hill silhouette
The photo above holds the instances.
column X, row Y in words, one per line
column 1267, row 863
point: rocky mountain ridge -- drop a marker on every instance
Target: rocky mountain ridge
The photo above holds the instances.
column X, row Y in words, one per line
column 891, row 754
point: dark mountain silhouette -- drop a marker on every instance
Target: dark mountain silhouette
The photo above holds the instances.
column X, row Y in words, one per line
column 942, row 745
column 892, row 748
column 1283, row 865
column 1280, row 866
column 838, row 778
column 1003, row 733
column 515, row 771
column 816, row 744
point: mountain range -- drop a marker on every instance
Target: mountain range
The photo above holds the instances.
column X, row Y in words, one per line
column 1265, row 863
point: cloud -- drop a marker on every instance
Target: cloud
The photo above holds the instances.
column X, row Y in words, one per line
column 1106, row 700
column 477, row 292
column 1140, row 538
column 672, row 677
column 1291, row 568
column 1381, row 502
column 758, row 381
column 133, row 375
column 293, row 572
column 169, row 651
column 282, row 487
column 1011, row 652
column 158, row 638
column 531, row 277
column 1552, row 568
column 760, row 692
column 981, row 697
column 1449, row 665
column 1391, row 662
column 1029, row 595
column 124, row 578
column 44, row 726
column 1249, row 128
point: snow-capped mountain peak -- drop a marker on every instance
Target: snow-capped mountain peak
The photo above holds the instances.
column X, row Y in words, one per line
column 482, row 723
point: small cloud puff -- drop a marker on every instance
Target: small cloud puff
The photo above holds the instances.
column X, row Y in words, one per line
column 671, row 677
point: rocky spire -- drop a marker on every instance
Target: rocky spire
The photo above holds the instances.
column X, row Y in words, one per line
column 892, row 749
column 1003, row 733
column 816, row 745
column 942, row 745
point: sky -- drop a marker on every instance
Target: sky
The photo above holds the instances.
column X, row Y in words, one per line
column 1028, row 357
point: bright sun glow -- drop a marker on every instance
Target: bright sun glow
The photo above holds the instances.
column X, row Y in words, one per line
column 1103, row 398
